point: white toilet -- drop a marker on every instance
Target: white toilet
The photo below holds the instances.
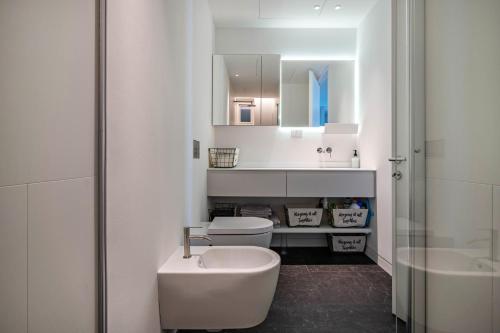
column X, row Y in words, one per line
column 235, row 230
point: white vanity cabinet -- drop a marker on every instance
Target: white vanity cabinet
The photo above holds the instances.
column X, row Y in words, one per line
column 278, row 184
column 305, row 184
column 246, row 183
column 265, row 182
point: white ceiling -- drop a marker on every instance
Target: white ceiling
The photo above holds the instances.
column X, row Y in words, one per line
column 289, row 13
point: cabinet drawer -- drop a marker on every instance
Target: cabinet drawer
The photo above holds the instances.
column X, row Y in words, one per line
column 331, row 184
column 222, row 183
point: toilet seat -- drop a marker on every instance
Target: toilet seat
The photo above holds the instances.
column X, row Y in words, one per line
column 240, row 226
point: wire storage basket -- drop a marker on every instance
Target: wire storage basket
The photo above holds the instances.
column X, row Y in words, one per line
column 223, row 157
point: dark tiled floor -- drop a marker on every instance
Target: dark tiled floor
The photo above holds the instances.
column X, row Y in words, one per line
column 319, row 256
column 329, row 299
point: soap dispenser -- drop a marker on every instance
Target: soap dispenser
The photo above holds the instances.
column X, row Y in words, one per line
column 355, row 160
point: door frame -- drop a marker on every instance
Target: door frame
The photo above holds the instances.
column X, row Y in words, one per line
column 408, row 20
column 101, row 57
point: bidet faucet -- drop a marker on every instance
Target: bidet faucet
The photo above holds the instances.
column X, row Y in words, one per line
column 187, row 241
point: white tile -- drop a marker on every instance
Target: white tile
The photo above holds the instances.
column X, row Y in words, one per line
column 496, row 249
column 13, row 259
column 496, row 217
column 47, row 95
column 61, row 256
column 458, row 214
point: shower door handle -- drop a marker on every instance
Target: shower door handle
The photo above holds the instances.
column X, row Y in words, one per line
column 397, row 159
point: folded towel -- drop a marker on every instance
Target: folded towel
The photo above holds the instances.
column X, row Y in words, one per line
column 259, row 213
column 256, row 211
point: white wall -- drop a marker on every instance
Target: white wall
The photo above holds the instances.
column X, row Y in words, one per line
column 159, row 59
column 273, row 146
column 463, row 159
column 290, row 43
column 375, row 106
column 203, row 40
column 147, row 108
column 47, row 131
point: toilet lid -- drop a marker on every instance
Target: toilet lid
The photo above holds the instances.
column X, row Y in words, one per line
column 239, row 226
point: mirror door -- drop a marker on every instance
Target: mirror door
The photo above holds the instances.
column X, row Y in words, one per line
column 246, row 90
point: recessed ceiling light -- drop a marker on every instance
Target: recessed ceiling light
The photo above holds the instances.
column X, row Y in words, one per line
column 237, row 75
column 317, row 7
column 338, row 7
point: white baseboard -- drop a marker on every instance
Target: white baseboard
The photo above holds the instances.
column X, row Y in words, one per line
column 381, row 261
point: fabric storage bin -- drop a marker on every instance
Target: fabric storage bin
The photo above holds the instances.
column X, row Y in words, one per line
column 349, row 218
column 347, row 243
column 304, row 217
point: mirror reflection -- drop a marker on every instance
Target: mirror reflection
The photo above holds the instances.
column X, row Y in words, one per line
column 246, row 90
column 317, row 92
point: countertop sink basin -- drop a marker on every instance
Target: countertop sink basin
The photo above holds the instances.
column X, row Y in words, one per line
column 220, row 287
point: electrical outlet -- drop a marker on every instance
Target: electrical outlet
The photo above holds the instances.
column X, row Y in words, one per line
column 296, row 133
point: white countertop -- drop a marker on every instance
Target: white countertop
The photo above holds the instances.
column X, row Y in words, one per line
column 239, row 168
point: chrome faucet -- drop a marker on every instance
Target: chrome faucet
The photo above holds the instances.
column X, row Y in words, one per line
column 327, row 150
column 187, row 241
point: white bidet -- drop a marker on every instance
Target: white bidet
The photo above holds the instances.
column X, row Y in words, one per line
column 220, row 287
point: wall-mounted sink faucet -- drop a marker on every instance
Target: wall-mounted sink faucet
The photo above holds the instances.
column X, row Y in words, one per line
column 327, row 150
column 187, row 241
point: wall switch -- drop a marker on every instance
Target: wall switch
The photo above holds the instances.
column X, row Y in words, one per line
column 296, row 133
column 196, row 149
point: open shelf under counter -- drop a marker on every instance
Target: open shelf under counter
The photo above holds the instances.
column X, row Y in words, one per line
column 322, row 229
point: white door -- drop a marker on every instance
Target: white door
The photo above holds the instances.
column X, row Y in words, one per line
column 314, row 105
